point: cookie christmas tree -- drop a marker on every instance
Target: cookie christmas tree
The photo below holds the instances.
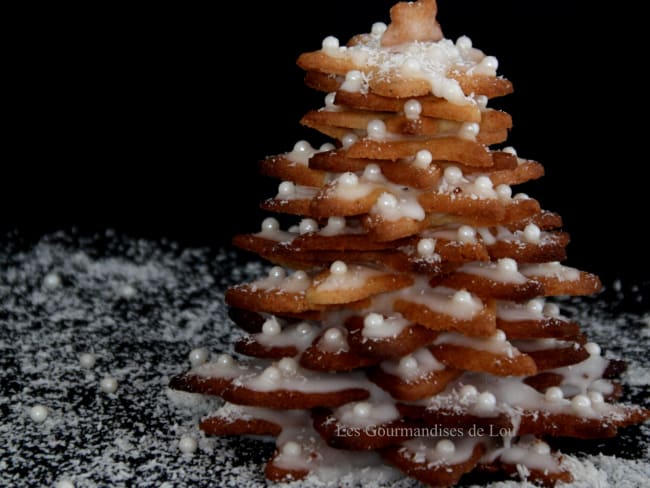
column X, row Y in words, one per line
column 404, row 326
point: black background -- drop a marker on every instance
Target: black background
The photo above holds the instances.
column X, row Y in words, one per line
column 152, row 121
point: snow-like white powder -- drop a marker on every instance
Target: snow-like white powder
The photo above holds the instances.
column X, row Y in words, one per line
column 142, row 338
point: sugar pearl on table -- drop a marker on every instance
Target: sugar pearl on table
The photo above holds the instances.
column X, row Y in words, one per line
column 127, row 291
column 187, row 444
column 38, row 413
column 553, row 394
column 532, row 234
column 64, row 483
column 426, row 247
column 292, row 449
column 581, row 403
column 270, row 224
column 362, row 409
column 466, row 234
column 423, row 159
column 271, row 327
column 592, row 348
column 338, row 268
column 108, row 384
column 52, row 281
column 87, row 360
column 445, row 447
column 198, row 356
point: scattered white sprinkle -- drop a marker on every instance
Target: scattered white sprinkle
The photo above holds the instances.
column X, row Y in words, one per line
column 64, row 483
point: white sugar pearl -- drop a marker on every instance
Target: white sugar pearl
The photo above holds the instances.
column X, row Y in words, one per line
column 336, row 224
column 581, row 403
column 445, row 447
column 286, row 189
column 507, row 265
column 387, row 201
column 499, row 336
column 270, row 224
column 542, row 448
column 509, row 150
column 486, row 401
column 127, row 291
column 426, row 247
column 372, row 172
column 376, row 129
column 453, row 174
column 408, row 363
column 412, row 109
column 490, row 64
column 462, row 297
column 277, row 273
column 333, row 336
column 483, row 182
column 378, row 28
column 553, row 394
column 592, row 348
column 482, row 101
column 362, row 409
column 87, row 360
column 271, row 327
column 348, row 179
column 288, row 365
column 532, row 234
column 198, row 356
column 348, row 140
column 187, row 444
column 38, row 413
column 466, row 234
column 271, row 374
column 65, row 483
column 302, row 147
column 328, row 146
column 303, row 328
column 469, row 131
column 423, row 159
column 308, row 225
column 108, row 384
column 330, row 100
column 299, row 276
column 551, row 309
column 353, row 82
column 521, row 196
column 225, row 360
column 468, row 391
column 596, row 397
column 338, row 268
column 292, row 449
column 373, row 320
column 410, row 66
column 504, row 192
column 535, row 305
column 330, row 43
column 52, row 281
column 464, row 43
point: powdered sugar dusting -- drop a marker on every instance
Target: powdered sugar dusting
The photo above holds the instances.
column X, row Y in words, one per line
column 140, row 307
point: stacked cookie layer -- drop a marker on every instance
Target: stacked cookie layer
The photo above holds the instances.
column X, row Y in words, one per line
column 405, row 319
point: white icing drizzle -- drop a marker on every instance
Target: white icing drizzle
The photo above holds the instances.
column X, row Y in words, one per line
column 531, row 453
column 378, row 409
column 536, row 310
column 303, row 380
column 299, row 335
column 270, row 229
column 497, row 344
column 413, row 366
column 347, row 278
column 376, row 326
column 303, row 151
column 532, row 345
column 287, row 191
column 459, row 304
column 504, row 271
column 586, row 376
column 392, row 208
column 551, row 270
column 277, row 279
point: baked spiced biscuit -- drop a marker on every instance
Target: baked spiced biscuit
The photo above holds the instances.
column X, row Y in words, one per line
column 404, row 325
